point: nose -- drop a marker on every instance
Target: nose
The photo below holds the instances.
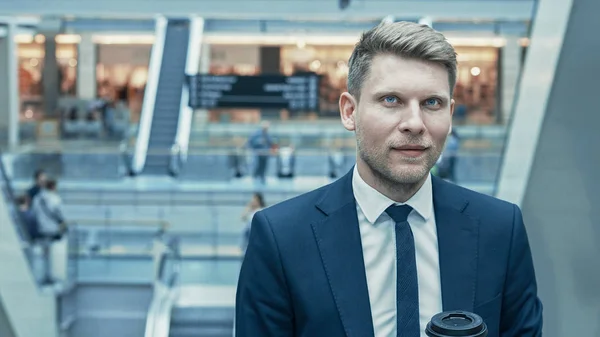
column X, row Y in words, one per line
column 412, row 120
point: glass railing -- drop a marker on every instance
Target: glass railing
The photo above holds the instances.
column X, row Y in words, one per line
column 221, row 169
column 33, row 247
column 20, row 225
column 85, row 162
column 208, row 251
column 11, row 198
column 204, row 201
column 313, row 134
column 156, row 252
column 107, row 249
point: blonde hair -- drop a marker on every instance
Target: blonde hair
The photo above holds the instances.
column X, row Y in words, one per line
column 405, row 39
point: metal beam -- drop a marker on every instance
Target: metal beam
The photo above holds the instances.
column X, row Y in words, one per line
column 218, row 26
column 507, row 10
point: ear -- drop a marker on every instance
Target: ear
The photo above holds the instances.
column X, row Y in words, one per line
column 348, row 109
column 452, row 103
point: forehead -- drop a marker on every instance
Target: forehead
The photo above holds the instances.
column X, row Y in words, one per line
column 410, row 76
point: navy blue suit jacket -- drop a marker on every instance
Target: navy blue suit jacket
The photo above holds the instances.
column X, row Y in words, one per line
column 303, row 274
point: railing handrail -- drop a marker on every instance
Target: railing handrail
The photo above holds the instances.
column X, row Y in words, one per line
column 159, row 315
column 145, row 124
column 180, row 202
column 163, row 224
column 227, row 151
column 184, row 124
column 20, row 223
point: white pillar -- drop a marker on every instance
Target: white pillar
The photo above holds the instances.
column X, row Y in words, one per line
column 547, row 36
column 205, row 58
column 4, row 101
column 86, row 68
column 9, row 88
column 511, row 67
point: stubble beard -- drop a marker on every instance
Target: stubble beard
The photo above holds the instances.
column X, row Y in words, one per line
column 403, row 177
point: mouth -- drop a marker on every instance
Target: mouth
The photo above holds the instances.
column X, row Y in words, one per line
column 412, row 151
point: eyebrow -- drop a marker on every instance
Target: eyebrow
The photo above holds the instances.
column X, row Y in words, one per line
column 381, row 93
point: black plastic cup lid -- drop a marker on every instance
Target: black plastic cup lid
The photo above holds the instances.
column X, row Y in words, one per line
column 456, row 324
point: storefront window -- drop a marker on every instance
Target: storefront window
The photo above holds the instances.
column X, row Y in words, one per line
column 476, row 87
column 121, row 74
column 31, row 62
column 331, row 62
column 475, row 93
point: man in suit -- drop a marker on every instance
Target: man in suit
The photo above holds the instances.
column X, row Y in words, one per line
column 387, row 246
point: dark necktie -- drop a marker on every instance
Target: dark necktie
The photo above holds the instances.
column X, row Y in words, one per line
column 407, row 287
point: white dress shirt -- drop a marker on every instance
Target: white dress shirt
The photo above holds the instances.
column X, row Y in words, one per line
column 377, row 231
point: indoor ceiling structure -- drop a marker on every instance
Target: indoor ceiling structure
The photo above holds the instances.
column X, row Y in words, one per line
column 331, row 10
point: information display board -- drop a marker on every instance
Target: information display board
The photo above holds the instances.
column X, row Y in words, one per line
column 298, row 92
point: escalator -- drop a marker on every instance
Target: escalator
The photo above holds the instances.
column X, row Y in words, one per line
column 192, row 311
column 167, row 104
column 19, row 289
column 186, row 310
column 201, row 319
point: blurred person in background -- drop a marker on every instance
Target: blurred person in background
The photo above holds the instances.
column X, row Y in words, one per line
column 110, row 113
column 384, row 248
column 28, row 218
column 286, row 161
column 256, row 204
column 48, row 209
column 39, row 182
column 238, row 160
column 261, row 144
column 336, row 162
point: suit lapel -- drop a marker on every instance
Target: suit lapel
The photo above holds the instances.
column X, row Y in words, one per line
column 338, row 239
column 458, row 247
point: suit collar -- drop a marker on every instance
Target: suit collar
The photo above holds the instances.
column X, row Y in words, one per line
column 338, row 194
column 372, row 203
column 448, row 195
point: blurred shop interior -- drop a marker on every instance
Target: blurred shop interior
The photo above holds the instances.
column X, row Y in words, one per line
column 121, row 71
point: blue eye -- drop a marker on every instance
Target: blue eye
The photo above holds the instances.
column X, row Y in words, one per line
column 390, row 99
column 432, row 102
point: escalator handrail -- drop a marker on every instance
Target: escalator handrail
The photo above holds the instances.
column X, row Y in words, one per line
column 145, row 124
column 12, row 199
column 182, row 137
column 159, row 314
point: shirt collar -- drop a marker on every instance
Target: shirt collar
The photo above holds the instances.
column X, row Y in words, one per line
column 373, row 203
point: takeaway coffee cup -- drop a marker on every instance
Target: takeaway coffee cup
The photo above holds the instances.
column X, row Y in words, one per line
column 456, row 324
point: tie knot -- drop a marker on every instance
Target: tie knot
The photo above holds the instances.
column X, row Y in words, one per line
column 399, row 213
